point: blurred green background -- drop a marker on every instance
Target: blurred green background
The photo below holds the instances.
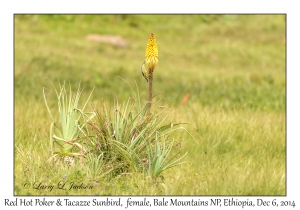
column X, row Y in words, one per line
column 219, row 60
column 226, row 74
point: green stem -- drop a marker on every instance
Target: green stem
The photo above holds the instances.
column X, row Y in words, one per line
column 150, row 89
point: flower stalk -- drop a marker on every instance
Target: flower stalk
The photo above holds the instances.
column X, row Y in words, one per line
column 150, row 63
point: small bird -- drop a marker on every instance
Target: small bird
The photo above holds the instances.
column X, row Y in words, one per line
column 145, row 72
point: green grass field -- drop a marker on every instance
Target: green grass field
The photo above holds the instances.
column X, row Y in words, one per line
column 224, row 74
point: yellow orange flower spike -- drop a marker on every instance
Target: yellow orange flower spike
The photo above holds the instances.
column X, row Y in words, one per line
column 151, row 54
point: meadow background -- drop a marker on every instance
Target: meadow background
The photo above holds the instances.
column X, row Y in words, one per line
column 225, row 74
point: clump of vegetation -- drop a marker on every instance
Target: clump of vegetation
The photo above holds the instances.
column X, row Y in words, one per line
column 127, row 138
column 119, row 140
